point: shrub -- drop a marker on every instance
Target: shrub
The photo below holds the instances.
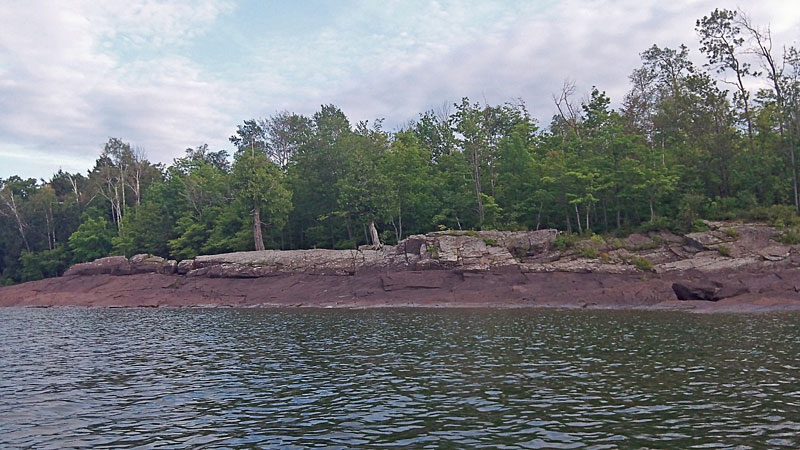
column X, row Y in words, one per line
column 776, row 215
column 490, row 242
column 43, row 264
column 659, row 224
column 345, row 244
column 723, row 208
column 648, row 245
column 790, row 236
column 699, row 225
column 588, row 252
column 692, row 207
column 731, row 232
column 643, row 264
column 91, row 240
column 566, row 240
column 724, row 251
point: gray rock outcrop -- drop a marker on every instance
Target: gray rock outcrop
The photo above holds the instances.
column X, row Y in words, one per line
column 724, row 247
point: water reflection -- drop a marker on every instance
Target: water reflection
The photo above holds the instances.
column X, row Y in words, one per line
column 508, row 379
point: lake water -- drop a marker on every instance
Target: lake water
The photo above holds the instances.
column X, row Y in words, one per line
column 397, row 378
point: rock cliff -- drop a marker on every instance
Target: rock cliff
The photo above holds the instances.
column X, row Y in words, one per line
column 725, row 246
column 730, row 267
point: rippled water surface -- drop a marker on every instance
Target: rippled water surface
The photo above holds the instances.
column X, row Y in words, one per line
column 404, row 378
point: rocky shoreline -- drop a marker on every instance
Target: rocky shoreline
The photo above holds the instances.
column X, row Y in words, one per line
column 729, row 268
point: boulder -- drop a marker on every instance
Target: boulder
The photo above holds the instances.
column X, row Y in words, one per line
column 144, row 263
column 316, row 261
column 111, row 265
column 665, row 236
column 469, row 252
column 707, row 240
column 638, row 241
column 709, row 261
column 522, row 243
column 695, row 290
column 170, row 267
column 185, row 266
column 774, row 252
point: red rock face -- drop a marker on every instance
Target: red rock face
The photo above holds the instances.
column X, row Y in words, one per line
column 506, row 288
column 455, row 269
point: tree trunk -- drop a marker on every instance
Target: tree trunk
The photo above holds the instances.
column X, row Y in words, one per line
column 376, row 241
column 400, row 223
column 257, row 237
column 476, row 175
column 539, row 216
column 349, row 228
column 396, row 232
column 794, row 177
column 578, row 219
column 12, row 205
column 588, row 208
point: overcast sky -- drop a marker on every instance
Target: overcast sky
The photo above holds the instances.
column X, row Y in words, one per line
column 167, row 75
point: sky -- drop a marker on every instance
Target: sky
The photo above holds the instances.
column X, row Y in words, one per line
column 169, row 75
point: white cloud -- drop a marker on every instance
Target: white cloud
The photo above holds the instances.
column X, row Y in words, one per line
column 74, row 74
column 68, row 89
column 534, row 51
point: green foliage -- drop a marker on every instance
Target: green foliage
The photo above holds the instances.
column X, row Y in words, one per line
column 588, row 252
column 44, row 264
column 192, row 237
column 470, row 233
column 145, row 229
column 731, row 232
column 777, row 215
column 691, row 209
column 258, row 183
column 642, row 263
column 92, row 240
column 490, row 242
column 790, row 236
column 232, row 230
column 659, row 224
column 565, row 241
column 345, row 244
column 699, row 225
column 724, row 250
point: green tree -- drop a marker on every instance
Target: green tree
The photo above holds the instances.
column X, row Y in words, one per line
column 259, row 182
column 92, row 240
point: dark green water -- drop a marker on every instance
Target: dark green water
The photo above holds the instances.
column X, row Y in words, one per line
column 403, row 378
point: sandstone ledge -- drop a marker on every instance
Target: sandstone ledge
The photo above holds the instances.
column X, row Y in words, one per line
column 455, row 269
column 501, row 288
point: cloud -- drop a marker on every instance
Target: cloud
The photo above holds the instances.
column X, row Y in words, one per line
column 168, row 75
column 595, row 43
column 69, row 87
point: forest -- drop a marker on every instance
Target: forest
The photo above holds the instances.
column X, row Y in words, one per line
column 688, row 142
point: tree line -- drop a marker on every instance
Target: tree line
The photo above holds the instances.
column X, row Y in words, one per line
column 688, row 142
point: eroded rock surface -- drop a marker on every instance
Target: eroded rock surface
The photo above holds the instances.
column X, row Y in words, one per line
column 731, row 267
